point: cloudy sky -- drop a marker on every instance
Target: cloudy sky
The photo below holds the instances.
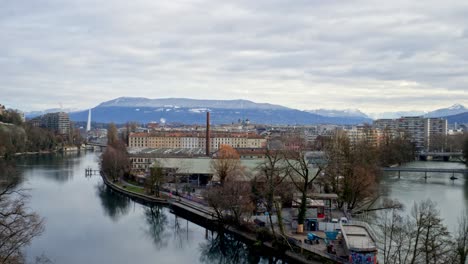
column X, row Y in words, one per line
column 373, row 55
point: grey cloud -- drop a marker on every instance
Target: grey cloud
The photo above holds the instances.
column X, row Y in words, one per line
column 81, row 52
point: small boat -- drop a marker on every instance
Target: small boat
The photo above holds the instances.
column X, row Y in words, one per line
column 453, row 178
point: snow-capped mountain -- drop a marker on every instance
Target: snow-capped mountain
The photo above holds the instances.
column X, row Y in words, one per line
column 452, row 110
column 339, row 113
column 392, row 115
column 188, row 103
column 191, row 111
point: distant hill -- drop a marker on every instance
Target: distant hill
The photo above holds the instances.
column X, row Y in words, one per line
column 339, row 113
column 396, row 114
column 459, row 118
column 449, row 111
column 188, row 103
column 190, row 111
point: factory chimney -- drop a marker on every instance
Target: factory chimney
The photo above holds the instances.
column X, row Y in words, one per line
column 207, row 134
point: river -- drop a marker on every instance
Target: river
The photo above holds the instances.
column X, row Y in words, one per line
column 85, row 222
column 450, row 196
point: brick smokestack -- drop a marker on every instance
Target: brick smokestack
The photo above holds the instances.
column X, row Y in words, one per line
column 207, row 133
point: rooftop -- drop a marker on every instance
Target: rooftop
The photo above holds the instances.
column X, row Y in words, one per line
column 357, row 238
column 167, row 152
column 199, row 134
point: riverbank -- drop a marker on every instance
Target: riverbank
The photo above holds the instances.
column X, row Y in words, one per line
column 135, row 195
column 41, row 152
column 206, row 217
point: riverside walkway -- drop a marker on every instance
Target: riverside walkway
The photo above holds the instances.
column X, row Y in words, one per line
column 206, row 216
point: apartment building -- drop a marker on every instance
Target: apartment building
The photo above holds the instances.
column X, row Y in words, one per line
column 195, row 140
column 416, row 128
column 57, row 122
column 419, row 129
column 436, row 126
column 368, row 134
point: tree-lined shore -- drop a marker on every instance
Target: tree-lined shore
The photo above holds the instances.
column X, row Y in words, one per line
column 17, row 136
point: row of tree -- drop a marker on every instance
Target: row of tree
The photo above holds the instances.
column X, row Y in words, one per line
column 115, row 162
column 349, row 170
column 292, row 170
column 17, row 136
column 447, row 143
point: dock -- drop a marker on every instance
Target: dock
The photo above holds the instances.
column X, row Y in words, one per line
column 90, row 172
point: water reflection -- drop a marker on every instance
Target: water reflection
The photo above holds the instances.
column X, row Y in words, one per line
column 180, row 231
column 8, row 174
column 156, row 221
column 111, row 227
column 59, row 166
column 114, row 205
column 225, row 249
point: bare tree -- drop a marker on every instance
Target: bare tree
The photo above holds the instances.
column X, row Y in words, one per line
column 461, row 239
column 394, row 149
column 465, row 149
column 231, row 201
column 431, row 238
column 420, row 237
column 112, row 134
column 272, row 173
column 18, row 225
column 301, row 171
column 155, row 179
column 175, row 173
column 437, row 142
column 351, row 171
column 226, row 163
column 390, row 224
column 115, row 162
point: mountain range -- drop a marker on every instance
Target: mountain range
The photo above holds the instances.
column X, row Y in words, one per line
column 450, row 111
column 339, row 113
column 192, row 111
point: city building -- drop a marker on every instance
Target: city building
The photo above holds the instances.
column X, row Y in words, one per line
column 435, row 127
column 57, row 122
column 384, row 124
column 419, row 129
column 195, row 140
column 367, row 134
column 415, row 127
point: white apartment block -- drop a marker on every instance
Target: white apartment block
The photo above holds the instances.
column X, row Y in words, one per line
column 419, row 129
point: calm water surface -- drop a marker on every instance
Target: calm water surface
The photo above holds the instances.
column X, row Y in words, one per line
column 451, row 196
column 87, row 223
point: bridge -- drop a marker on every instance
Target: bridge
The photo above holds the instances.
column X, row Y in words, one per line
column 426, row 170
column 444, row 155
column 100, row 145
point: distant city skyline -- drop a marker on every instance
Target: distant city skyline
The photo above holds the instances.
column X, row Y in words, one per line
column 367, row 55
